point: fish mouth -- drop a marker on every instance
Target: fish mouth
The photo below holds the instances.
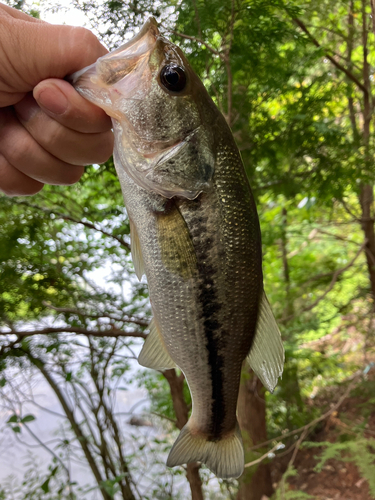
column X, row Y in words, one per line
column 125, row 55
column 123, row 73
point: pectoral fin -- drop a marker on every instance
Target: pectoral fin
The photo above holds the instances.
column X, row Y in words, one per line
column 136, row 251
column 176, row 248
column 266, row 356
column 154, row 353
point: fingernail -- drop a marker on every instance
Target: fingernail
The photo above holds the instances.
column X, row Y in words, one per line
column 27, row 108
column 53, row 100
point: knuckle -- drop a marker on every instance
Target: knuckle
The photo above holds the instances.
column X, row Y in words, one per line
column 83, row 38
column 24, row 149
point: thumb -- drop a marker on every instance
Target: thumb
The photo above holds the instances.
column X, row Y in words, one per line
column 33, row 51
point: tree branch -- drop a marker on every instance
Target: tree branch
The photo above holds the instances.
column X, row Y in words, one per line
column 339, row 66
column 263, row 457
column 76, row 221
column 331, row 285
column 79, row 331
column 44, row 446
column 325, row 415
column 231, row 28
column 197, row 19
column 82, row 439
column 202, row 42
column 68, row 310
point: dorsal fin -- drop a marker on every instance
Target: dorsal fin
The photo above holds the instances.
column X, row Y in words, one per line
column 266, row 356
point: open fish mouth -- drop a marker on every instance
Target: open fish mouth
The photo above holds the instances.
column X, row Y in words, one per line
column 121, row 74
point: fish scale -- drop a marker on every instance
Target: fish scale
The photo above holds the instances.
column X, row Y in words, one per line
column 195, row 235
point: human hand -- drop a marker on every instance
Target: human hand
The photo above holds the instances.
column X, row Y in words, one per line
column 48, row 132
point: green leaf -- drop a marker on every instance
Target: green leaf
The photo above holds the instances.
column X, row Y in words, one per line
column 13, row 419
column 54, row 470
column 27, row 418
column 45, row 485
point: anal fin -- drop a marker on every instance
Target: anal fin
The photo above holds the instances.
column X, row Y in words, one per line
column 136, row 251
column 154, row 353
column 266, row 356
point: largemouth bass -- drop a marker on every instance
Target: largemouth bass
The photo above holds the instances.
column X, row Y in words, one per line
column 194, row 234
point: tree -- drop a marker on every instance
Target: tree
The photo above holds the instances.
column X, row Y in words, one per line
column 294, row 84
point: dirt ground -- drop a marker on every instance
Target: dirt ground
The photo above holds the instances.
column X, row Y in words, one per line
column 339, row 479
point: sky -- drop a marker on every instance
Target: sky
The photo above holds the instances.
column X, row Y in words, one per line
column 67, row 14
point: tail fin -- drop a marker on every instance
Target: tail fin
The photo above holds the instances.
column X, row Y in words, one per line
column 225, row 458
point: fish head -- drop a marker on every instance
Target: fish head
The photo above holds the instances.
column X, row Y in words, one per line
column 162, row 114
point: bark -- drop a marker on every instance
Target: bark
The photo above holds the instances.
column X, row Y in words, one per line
column 176, row 384
column 366, row 196
column 373, row 15
column 289, row 309
column 253, row 484
column 366, row 199
column 350, row 45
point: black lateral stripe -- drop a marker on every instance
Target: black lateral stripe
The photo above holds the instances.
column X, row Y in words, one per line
column 208, row 298
column 210, row 308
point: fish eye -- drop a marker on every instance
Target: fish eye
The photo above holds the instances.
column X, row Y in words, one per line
column 173, row 78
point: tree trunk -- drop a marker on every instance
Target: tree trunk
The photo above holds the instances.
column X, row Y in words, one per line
column 366, row 199
column 176, row 384
column 366, row 196
column 289, row 309
column 256, row 481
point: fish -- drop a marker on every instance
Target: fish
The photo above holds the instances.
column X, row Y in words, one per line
column 195, row 235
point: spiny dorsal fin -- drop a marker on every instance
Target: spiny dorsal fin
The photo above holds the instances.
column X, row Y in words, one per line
column 225, row 457
column 266, row 356
column 136, row 251
column 154, row 354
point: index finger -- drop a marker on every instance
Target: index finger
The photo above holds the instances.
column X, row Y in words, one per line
column 59, row 100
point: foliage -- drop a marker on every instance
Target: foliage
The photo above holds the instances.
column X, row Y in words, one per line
column 37, row 485
column 360, row 451
column 293, row 81
column 285, row 494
